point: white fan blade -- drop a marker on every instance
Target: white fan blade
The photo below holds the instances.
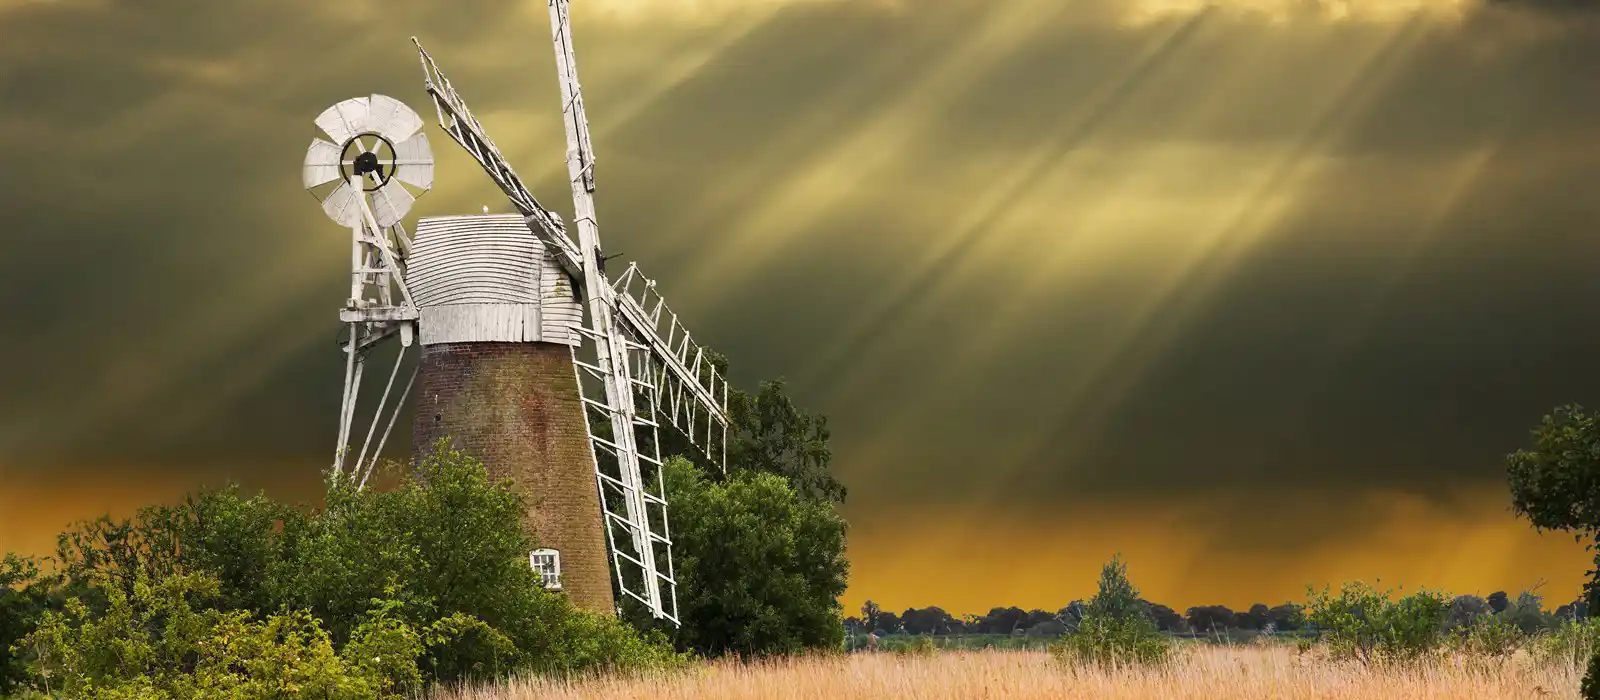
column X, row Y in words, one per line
column 390, row 204
column 392, row 119
column 414, row 162
column 345, row 119
column 322, row 164
column 342, row 205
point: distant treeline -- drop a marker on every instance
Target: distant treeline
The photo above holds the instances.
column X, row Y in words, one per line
column 1202, row 619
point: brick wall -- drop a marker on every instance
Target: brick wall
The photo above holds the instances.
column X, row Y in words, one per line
column 515, row 406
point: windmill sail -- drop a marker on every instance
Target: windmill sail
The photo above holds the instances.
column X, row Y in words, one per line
column 644, row 364
column 687, row 376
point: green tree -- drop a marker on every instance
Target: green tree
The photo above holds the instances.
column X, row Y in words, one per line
column 1555, row 484
column 1369, row 625
column 25, row 595
column 1116, row 628
column 759, row 568
column 768, row 433
column 773, row 435
column 445, row 552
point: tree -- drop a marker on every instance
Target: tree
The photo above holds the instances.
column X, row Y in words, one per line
column 1527, row 613
column 768, row 433
column 759, row 568
column 1467, row 610
column 25, row 596
column 1287, row 617
column 1003, row 620
column 1211, row 618
column 1116, row 627
column 445, row 550
column 1037, row 617
column 772, row 435
column 1373, row 626
column 1255, row 618
column 886, row 622
column 869, row 613
column 1166, row 619
column 1498, row 602
column 930, row 620
column 1071, row 614
column 1556, row 483
column 1116, row 597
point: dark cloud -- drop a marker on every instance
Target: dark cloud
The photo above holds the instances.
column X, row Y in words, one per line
column 1018, row 255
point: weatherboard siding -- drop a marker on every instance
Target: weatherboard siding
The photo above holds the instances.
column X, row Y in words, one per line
column 488, row 279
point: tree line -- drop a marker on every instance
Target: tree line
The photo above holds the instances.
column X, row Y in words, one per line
column 380, row 593
column 1527, row 608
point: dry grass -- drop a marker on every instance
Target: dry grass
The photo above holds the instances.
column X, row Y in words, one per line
column 1201, row 672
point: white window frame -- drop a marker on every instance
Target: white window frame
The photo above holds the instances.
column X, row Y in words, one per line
column 549, row 569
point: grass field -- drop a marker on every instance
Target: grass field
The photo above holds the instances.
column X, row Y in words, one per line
column 1202, row 671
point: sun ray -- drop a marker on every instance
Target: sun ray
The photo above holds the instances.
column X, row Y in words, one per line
column 1015, row 181
column 763, row 232
column 1176, row 299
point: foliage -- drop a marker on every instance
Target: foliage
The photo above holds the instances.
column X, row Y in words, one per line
column 162, row 642
column 1527, row 614
column 1467, row 610
column 759, row 568
column 24, row 597
column 1571, row 642
column 434, row 571
column 772, row 435
column 1590, row 688
column 1116, row 628
column 1211, row 618
column 1556, row 484
column 1370, row 626
column 769, row 434
column 920, row 645
column 1494, row 637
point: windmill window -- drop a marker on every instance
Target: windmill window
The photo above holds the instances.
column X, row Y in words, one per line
column 547, row 562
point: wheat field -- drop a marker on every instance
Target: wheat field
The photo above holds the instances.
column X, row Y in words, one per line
column 1209, row 672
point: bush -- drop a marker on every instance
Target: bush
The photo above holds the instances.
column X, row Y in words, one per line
column 1590, row 689
column 157, row 644
column 1368, row 625
column 1116, row 628
column 921, row 645
column 759, row 568
column 1569, row 643
column 430, row 578
column 1494, row 637
column 24, row 596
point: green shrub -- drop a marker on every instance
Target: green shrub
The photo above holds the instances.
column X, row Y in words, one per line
column 1364, row 624
column 920, row 645
column 760, row 568
column 163, row 643
column 24, row 596
column 1571, row 642
column 1590, row 689
column 1493, row 637
column 427, row 581
column 1116, row 628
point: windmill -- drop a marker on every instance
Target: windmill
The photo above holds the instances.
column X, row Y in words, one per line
column 509, row 369
column 377, row 149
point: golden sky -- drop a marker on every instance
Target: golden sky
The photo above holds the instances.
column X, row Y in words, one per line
column 1258, row 292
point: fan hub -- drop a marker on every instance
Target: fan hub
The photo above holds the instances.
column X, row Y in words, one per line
column 368, row 163
column 359, row 162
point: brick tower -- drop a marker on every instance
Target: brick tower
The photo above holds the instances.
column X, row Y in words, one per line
column 497, row 322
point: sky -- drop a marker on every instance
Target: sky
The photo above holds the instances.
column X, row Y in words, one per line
column 1258, row 293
